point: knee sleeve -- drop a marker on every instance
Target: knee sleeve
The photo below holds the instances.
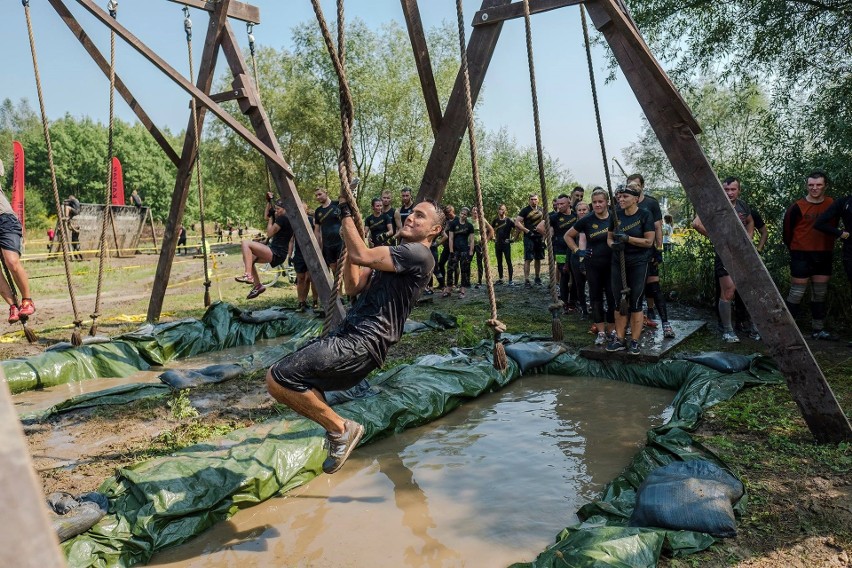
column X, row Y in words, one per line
column 819, row 291
column 797, row 292
column 818, row 309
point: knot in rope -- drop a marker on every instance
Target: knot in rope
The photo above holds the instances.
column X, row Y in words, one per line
column 78, row 323
column 496, row 325
column 187, row 24
column 556, row 306
column 249, row 28
column 112, row 6
column 25, row 3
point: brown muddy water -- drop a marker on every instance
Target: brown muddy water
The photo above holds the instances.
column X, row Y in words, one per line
column 490, row 484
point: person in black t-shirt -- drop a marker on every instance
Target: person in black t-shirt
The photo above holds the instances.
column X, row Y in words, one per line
column 405, row 209
column 503, row 227
column 378, row 227
column 560, row 221
column 387, row 282
column 327, row 228
column 460, row 231
column 278, row 233
column 526, row 222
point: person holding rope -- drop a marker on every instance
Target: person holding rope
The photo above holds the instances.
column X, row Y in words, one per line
column 634, row 240
column 279, row 232
column 387, row 281
column 11, row 236
column 560, row 221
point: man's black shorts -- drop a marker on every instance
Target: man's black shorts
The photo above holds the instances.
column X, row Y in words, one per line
column 277, row 260
column 533, row 248
column 804, row 264
column 331, row 253
column 299, row 264
column 336, row 362
column 719, row 268
column 10, row 233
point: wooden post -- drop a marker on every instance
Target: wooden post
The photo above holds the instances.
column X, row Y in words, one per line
column 424, row 66
column 29, row 541
column 667, row 114
column 480, row 48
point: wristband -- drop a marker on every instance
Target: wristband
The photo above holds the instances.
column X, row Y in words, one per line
column 345, row 210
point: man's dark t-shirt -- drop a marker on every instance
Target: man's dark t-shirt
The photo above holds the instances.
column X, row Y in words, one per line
column 404, row 212
column 378, row 315
column 377, row 226
column 328, row 218
column 531, row 218
column 502, row 229
column 280, row 241
column 460, row 234
column 595, row 230
column 560, row 223
column 652, row 205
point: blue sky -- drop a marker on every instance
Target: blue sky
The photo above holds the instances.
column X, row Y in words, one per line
column 72, row 83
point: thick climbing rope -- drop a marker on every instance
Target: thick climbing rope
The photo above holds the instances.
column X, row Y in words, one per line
column 555, row 303
column 625, row 290
column 252, row 50
column 498, row 327
column 187, row 26
column 76, row 335
column 112, row 6
column 348, row 182
column 28, row 333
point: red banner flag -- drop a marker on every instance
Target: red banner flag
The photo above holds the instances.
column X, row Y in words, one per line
column 18, row 181
column 117, row 183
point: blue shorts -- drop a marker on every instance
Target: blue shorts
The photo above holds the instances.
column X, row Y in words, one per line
column 10, row 233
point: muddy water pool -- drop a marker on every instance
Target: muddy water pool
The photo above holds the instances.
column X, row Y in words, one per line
column 490, row 484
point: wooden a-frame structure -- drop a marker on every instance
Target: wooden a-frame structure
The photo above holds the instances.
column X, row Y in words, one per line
column 664, row 108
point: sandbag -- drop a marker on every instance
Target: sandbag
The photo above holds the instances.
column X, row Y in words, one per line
column 87, row 340
column 267, row 315
column 722, row 362
column 72, row 516
column 694, row 495
column 361, row 390
column 188, row 378
column 531, row 355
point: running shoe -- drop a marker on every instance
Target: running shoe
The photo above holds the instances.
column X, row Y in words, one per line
column 27, row 308
column 499, row 282
column 341, row 445
column 594, row 329
column 301, row 308
column 538, row 281
column 753, row 334
column 527, row 284
column 256, row 291
column 615, row 345
column 667, row 330
column 245, row 279
column 428, row 291
column 600, row 339
column 821, row 334
column 634, row 347
column 650, row 323
column 730, row 337
column 14, row 314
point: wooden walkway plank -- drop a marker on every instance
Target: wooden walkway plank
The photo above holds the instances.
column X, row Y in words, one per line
column 653, row 346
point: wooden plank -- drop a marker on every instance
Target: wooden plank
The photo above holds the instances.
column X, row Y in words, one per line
column 252, row 107
column 652, row 345
column 29, row 541
column 424, row 65
column 231, row 95
column 487, row 17
column 237, row 10
column 122, row 89
column 768, row 311
column 480, row 49
column 218, row 19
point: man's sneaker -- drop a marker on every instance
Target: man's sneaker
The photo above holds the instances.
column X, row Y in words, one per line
column 510, row 283
column 821, row 334
column 634, row 347
column 650, row 323
column 499, row 282
column 341, row 445
column 537, row 281
column 527, row 283
column 615, row 345
column 753, row 334
column 601, row 338
column 667, row 330
column 27, row 308
column 14, row 314
column 300, row 309
column 730, row 337
column 256, row 291
column 651, row 314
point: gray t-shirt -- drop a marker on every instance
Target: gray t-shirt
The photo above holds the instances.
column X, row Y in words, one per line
column 378, row 315
column 5, row 206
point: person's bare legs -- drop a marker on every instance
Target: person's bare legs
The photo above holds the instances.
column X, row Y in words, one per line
column 13, row 262
column 303, row 284
column 309, row 404
column 254, row 252
column 6, row 291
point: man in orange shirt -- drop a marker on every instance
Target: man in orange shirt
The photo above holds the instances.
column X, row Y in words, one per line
column 811, row 252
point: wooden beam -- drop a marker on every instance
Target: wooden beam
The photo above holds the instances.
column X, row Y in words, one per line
column 122, row 89
column 487, row 17
column 218, row 19
column 480, row 49
column 811, row 391
column 238, row 10
column 421, row 59
column 252, row 107
column 29, row 541
column 231, row 95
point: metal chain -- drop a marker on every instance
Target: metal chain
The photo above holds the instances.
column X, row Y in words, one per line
column 63, row 224
column 187, row 26
column 612, row 211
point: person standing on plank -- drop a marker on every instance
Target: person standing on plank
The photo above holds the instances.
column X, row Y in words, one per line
column 387, row 281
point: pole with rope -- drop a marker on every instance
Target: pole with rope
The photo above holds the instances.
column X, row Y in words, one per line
column 555, row 303
column 76, row 335
column 498, row 327
column 252, row 53
column 624, row 300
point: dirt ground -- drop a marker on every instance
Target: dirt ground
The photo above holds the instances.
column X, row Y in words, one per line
column 77, row 451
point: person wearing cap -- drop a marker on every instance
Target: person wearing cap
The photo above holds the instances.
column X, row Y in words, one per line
column 386, row 282
column 653, row 293
column 11, row 237
column 279, row 232
column 634, row 241
column 461, row 235
column 727, row 287
column 526, row 222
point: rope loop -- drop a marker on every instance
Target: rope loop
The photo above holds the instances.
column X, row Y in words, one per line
column 187, row 24
column 112, row 7
column 496, row 325
column 249, row 28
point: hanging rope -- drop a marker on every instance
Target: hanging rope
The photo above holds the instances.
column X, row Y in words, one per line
column 187, row 26
column 348, row 183
column 76, row 335
column 112, row 6
column 624, row 300
column 555, row 303
column 498, row 327
column 249, row 29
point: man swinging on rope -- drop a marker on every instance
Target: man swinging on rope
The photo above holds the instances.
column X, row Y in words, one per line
column 11, row 235
column 387, row 281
